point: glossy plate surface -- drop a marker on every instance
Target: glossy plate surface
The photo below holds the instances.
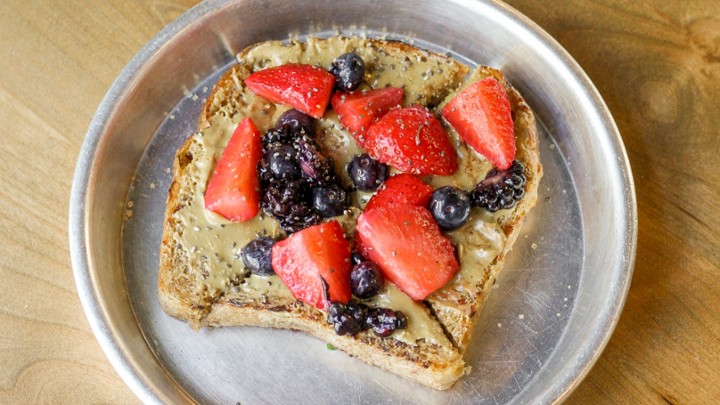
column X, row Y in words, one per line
column 550, row 314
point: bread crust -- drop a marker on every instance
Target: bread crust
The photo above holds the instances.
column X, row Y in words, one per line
column 430, row 364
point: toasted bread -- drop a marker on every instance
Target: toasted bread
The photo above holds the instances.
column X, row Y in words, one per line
column 212, row 290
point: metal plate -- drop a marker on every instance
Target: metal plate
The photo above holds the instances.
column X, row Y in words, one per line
column 552, row 310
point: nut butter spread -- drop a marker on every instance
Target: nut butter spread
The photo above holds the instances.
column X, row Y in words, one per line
column 213, row 244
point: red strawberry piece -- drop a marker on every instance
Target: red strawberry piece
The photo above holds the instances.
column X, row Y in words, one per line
column 233, row 188
column 360, row 109
column 310, row 256
column 305, row 87
column 402, row 188
column 481, row 115
column 412, row 140
column 408, row 246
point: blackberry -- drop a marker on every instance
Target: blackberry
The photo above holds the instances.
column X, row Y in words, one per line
column 295, row 122
column 343, row 320
column 282, row 200
column 349, row 70
column 316, row 168
column 367, row 173
column 329, row 201
column 384, row 321
column 365, row 280
column 277, row 136
column 256, row 256
column 500, row 189
column 450, row 207
column 299, row 218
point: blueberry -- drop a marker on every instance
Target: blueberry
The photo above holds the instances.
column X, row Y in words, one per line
column 348, row 70
column 256, row 256
column 365, row 280
column 357, row 258
column 450, row 207
column 282, row 161
column 367, row 173
column 384, row 321
column 329, row 201
column 295, row 121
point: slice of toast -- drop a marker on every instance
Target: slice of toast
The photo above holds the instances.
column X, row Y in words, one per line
column 210, row 287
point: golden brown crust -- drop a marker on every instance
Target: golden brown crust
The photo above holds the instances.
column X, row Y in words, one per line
column 428, row 364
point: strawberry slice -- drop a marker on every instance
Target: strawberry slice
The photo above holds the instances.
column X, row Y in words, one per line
column 304, row 87
column 360, row 109
column 481, row 115
column 310, row 256
column 412, row 140
column 233, row 188
column 408, row 246
column 401, row 188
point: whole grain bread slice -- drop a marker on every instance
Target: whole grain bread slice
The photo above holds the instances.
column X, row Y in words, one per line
column 429, row 79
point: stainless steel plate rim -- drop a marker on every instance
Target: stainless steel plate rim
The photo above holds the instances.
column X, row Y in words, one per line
column 83, row 186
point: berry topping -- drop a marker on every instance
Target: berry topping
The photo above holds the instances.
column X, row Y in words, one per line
column 233, row 188
column 500, row 189
column 365, row 280
column 329, row 201
column 412, row 140
column 408, row 246
column 366, row 173
column 294, row 121
column 360, row 109
column 277, row 136
column 312, row 257
column 348, row 70
column 278, row 198
column 316, row 168
column 282, row 161
column 305, row 87
column 384, row 321
column 357, row 258
column 482, row 117
column 256, row 256
column 348, row 319
column 450, row 207
column 401, row 188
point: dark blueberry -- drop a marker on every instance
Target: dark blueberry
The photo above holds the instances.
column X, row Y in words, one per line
column 357, row 258
column 277, row 136
column 500, row 189
column 295, row 121
column 365, row 280
column 281, row 161
column 343, row 320
column 384, row 321
column 450, row 207
column 367, row 173
column 256, row 256
column 348, row 70
column 315, row 167
column 329, row 201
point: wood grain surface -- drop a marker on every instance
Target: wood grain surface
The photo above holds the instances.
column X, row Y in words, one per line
column 656, row 64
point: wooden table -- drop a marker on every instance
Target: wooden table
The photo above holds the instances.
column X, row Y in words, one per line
column 656, row 64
